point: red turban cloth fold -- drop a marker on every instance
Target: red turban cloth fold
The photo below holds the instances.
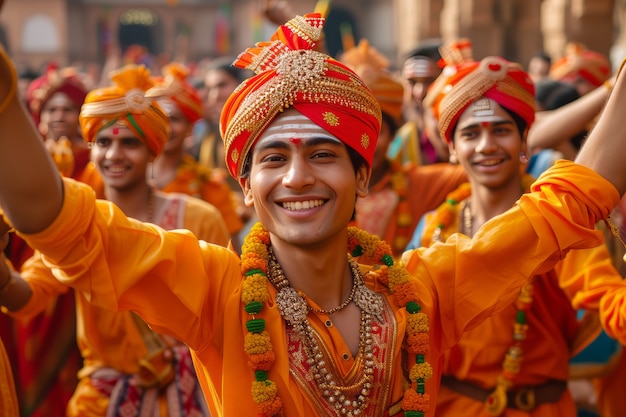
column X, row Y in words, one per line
column 131, row 101
column 176, row 88
column 40, row 90
column 496, row 78
column 290, row 73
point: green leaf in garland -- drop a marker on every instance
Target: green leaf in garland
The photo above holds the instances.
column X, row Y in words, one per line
column 254, row 307
column 255, row 325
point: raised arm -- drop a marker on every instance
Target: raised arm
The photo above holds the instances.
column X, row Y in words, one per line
column 605, row 149
column 554, row 127
column 31, row 190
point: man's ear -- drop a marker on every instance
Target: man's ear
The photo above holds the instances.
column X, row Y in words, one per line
column 363, row 176
column 247, row 192
column 452, row 158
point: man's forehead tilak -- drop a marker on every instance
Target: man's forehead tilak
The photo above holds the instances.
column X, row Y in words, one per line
column 482, row 111
column 296, row 128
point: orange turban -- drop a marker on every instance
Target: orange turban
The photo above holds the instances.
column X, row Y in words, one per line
column 177, row 89
column 41, row 89
column 496, row 78
column 579, row 61
column 290, row 73
column 453, row 55
column 130, row 100
column 372, row 67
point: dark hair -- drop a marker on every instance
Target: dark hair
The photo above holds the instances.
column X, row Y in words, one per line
column 226, row 64
column 543, row 56
column 391, row 122
column 428, row 48
column 519, row 122
column 552, row 94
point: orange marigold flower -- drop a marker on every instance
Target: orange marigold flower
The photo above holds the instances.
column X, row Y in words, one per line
column 380, row 250
column 253, row 261
column 418, row 343
column 406, row 292
column 262, row 361
column 445, row 216
column 415, row 401
column 271, row 408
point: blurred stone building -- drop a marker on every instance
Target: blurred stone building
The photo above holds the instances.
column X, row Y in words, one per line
column 71, row 32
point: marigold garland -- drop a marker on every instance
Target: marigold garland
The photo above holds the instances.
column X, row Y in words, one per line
column 401, row 284
column 444, row 215
column 257, row 342
column 415, row 401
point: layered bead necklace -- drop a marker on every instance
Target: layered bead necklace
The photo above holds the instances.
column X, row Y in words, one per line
column 259, row 264
column 294, row 309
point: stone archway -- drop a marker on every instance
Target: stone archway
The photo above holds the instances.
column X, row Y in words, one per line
column 140, row 28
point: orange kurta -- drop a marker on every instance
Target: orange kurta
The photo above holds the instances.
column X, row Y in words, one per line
column 8, row 398
column 108, row 339
column 425, row 187
column 551, row 336
column 195, row 180
column 104, row 255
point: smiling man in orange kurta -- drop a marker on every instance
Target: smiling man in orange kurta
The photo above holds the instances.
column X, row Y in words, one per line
column 295, row 327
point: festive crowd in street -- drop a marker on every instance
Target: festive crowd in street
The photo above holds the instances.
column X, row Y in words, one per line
column 289, row 233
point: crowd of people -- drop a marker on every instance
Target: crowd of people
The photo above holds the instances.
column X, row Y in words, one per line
column 173, row 239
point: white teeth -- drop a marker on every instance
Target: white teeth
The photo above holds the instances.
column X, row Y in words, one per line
column 116, row 169
column 302, row 205
column 490, row 163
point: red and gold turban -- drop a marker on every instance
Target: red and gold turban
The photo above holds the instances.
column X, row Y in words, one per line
column 65, row 80
column 131, row 101
column 496, row 78
column 290, row 73
column 176, row 88
column 579, row 61
column 372, row 67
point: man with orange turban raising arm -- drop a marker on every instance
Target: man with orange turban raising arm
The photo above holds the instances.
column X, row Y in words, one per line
column 315, row 318
column 127, row 366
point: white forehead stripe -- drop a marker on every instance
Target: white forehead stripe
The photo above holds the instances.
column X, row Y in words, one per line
column 296, row 126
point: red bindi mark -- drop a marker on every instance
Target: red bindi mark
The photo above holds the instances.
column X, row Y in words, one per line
column 296, row 141
column 116, row 130
column 484, row 124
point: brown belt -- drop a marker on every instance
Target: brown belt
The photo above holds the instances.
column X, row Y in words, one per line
column 524, row 398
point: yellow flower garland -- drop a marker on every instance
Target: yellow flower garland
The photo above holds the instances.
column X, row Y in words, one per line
column 402, row 285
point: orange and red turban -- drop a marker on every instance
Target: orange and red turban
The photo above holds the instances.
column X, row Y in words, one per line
column 290, row 73
column 496, row 78
column 579, row 61
column 176, row 88
column 131, row 101
column 55, row 80
column 372, row 67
